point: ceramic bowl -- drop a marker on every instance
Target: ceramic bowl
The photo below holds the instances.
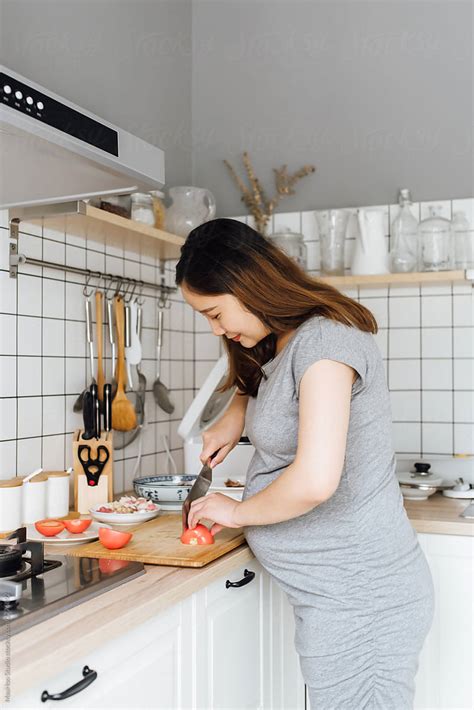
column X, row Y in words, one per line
column 164, row 489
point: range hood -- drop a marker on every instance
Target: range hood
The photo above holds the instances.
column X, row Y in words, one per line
column 54, row 151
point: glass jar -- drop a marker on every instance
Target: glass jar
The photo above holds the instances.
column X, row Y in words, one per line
column 435, row 242
column 142, row 208
column 292, row 243
column 404, row 237
column 463, row 238
column 332, row 225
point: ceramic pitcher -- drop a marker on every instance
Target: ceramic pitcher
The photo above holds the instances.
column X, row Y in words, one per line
column 191, row 207
column 371, row 252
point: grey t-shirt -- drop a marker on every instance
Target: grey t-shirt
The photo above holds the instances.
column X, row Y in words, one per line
column 350, row 559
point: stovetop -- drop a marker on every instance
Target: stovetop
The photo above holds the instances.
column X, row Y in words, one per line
column 34, row 588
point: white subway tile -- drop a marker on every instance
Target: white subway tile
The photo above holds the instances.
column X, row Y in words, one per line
column 29, row 455
column 75, row 339
column 7, row 459
column 310, row 225
column 8, row 409
column 53, row 452
column 465, row 205
column 437, row 438
column 53, row 375
column 464, row 439
column 381, row 338
column 75, row 375
column 437, row 406
column 436, row 342
column 29, row 295
column 29, row 336
column 53, row 336
column 463, row 309
column 53, row 415
column 406, row 437
column 404, row 342
column 464, row 406
column 436, row 311
column 29, row 376
column 437, row 375
column 405, row 406
column 8, row 293
column 206, row 346
column 29, row 416
column 404, row 312
column 463, row 374
column 7, row 376
column 53, row 298
column 378, row 307
column 463, row 342
column 404, row 374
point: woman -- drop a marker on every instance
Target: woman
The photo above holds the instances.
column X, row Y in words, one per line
column 322, row 509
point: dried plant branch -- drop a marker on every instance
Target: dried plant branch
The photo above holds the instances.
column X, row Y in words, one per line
column 255, row 198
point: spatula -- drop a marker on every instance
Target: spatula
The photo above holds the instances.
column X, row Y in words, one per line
column 123, row 412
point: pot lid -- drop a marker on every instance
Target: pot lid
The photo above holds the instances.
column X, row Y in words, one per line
column 209, row 404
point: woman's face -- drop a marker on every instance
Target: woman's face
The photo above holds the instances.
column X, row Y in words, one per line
column 227, row 316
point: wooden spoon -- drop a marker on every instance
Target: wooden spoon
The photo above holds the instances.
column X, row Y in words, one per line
column 124, row 417
column 100, row 366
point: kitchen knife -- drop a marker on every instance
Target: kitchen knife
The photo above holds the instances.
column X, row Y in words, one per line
column 95, row 401
column 199, row 489
column 107, row 407
column 88, row 415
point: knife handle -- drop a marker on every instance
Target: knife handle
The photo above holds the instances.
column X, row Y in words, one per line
column 107, row 407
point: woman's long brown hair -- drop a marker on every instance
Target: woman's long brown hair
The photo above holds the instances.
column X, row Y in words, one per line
column 225, row 256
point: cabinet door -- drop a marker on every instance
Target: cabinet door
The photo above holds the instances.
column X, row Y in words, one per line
column 287, row 689
column 444, row 678
column 229, row 643
column 147, row 667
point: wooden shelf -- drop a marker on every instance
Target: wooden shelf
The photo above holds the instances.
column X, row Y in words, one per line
column 81, row 219
column 423, row 277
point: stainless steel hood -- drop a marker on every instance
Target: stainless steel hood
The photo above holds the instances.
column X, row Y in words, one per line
column 54, row 151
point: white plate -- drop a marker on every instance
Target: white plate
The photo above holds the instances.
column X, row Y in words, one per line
column 65, row 537
column 141, row 516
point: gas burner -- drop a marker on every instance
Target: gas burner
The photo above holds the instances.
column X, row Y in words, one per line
column 16, row 565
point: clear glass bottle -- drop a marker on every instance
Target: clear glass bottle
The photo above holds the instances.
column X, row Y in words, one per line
column 142, row 208
column 404, row 237
column 435, row 242
column 463, row 238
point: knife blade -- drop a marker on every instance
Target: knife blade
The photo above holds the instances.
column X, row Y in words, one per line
column 199, row 489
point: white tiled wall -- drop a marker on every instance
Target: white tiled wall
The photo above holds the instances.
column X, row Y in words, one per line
column 43, row 364
column 426, row 337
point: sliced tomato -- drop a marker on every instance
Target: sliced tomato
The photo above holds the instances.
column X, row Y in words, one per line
column 200, row 535
column 78, row 525
column 49, row 527
column 114, row 539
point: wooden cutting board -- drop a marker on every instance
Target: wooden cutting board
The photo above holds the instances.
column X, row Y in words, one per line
column 157, row 543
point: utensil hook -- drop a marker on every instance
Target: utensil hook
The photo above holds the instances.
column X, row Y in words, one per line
column 86, row 291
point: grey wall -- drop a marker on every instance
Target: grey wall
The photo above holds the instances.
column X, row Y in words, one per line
column 377, row 95
column 128, row 61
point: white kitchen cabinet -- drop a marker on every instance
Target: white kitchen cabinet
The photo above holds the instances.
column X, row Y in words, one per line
column 222, row 648
column 147, row 667
column 230, row 628
column 445, row 679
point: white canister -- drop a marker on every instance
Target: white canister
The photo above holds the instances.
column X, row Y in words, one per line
column 34, row 499
column 10, row 504
column 57, row 494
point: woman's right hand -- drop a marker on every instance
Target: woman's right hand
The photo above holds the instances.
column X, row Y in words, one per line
column 221, row 437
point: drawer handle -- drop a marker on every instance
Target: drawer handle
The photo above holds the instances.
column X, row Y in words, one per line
column 248, row 576
column 89, row 677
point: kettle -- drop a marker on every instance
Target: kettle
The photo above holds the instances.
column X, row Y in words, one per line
column 371, row 250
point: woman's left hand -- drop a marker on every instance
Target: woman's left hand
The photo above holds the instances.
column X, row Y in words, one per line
column 217, row 507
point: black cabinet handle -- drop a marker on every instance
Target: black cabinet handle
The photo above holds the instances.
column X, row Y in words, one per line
column 89, row 677
column 248, row 576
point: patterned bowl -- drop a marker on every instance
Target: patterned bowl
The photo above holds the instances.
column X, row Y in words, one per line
column 164, row 489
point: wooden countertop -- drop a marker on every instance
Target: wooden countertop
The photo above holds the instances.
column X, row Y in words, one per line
column 40, row 652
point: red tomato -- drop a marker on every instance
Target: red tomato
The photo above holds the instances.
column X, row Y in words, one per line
column 49, row 527
column 78, row 525
column 200, row 535
column 111, row 566
column 114, row 539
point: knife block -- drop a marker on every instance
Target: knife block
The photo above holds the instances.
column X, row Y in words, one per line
column 93, row 470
